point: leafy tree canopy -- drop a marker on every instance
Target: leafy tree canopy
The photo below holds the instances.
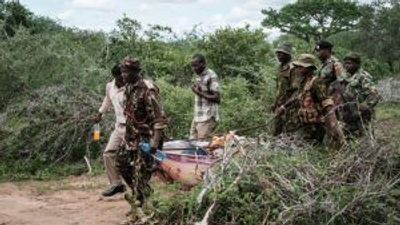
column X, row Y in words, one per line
column 230, row 53
column 312, row 20
column 381, row 26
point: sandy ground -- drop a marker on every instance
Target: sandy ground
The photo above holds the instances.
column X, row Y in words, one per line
column 72, row 201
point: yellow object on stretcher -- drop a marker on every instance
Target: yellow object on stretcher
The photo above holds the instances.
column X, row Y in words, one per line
column 220, row 141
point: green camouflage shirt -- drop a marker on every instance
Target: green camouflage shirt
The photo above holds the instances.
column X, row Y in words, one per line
column 359, row 87
column 143, row 109
column 295, row 84
column 283, row 84
column 312, row 101
column 330, row 70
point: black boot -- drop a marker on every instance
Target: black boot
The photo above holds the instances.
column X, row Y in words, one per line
column 114, row 189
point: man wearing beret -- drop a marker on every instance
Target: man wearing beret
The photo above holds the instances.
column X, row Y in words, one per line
column 145, row 122
column 359, row 95
column 331, row 68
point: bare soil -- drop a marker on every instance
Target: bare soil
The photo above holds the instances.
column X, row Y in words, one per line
column 72, row 201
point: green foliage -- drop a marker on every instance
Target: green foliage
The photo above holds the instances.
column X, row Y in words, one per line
column 178, row 104
column 26, row 170
column 240, row 108
column 53, row 125
column 380, row 25
column 128, row 28
column 236, row 52
column 50, row 127
column 14, row 15
column 346, row 42
column 164, row 203
column 161, row 54
column 157, row 32
column 312, row 20
column 41, row 24
column 32, row 61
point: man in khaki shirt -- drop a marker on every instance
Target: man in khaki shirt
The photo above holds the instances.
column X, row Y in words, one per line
column 115, row 91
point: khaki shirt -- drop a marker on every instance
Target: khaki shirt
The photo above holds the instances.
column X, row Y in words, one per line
column 114, row 97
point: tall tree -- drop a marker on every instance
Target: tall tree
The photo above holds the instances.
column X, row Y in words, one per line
column 381, row 26
column 312, row 20
column 128, row 28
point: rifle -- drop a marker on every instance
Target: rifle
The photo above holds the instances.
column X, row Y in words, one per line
column 291, row 102
column 344, row 101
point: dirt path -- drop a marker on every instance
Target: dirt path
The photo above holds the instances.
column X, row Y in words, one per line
column 72, row 201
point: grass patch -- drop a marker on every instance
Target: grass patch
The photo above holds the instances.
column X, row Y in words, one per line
column 20, row 171
column 388, row 111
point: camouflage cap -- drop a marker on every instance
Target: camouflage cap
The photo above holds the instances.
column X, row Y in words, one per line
column 323, row 45
column 306, row 60
column 130, row 63
column 284, row 48
column 355, row 57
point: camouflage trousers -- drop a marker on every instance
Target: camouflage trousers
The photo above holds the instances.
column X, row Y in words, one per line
column 136, row 168
column 277, row 125
column 313, row 133
column 355, row 123
column 319, row 134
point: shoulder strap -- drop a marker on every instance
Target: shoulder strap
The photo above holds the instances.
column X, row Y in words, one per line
column 310, row 84
column 150, row 85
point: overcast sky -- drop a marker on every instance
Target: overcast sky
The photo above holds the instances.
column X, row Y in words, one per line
column 181, row 15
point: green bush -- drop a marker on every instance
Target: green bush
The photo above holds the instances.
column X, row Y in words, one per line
column 178, row 105
column 291, row 183
column 236, row 52
column 50, row 126
column 30, row 62
column 240, row 108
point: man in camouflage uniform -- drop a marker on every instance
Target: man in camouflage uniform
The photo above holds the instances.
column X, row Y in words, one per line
column 331, row 68
column 145, row 121
column 283, row 85
column 358, row 95
column 314, row 106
